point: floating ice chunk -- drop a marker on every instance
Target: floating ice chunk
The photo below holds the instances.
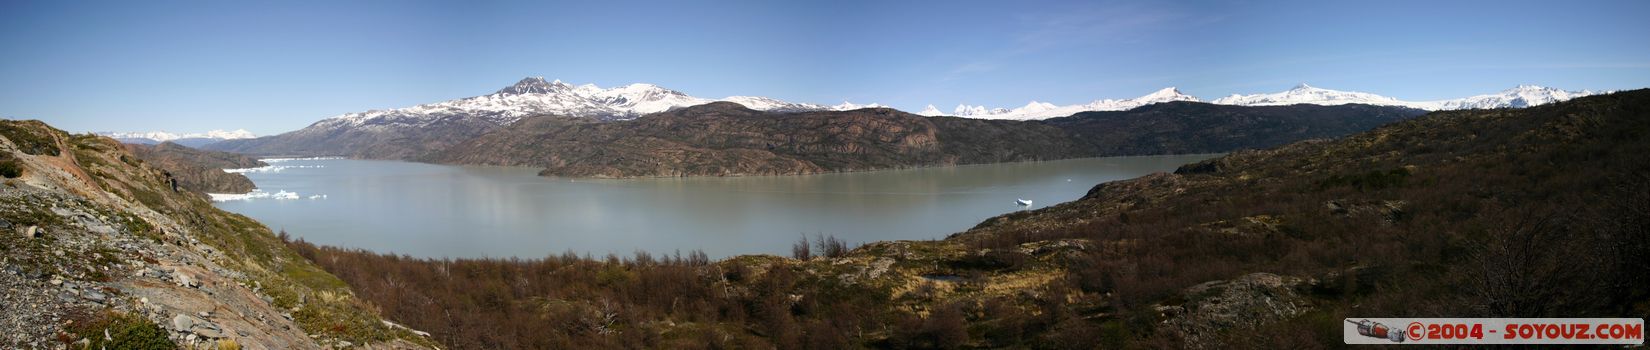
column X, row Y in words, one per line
column 225, row 197
column 278, row 160
column 255, row 194
column 270, row 169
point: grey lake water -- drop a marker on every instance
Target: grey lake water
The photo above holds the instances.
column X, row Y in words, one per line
column 429, row 210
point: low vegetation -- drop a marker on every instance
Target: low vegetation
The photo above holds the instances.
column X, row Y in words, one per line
column 9, row 168
column 112, row 330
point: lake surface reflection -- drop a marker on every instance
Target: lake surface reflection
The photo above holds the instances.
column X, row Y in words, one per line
column 429, row 210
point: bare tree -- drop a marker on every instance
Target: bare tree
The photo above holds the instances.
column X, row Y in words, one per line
column 800, row 250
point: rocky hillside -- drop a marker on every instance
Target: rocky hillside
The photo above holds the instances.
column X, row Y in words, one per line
column 1190, row 127
column 198, row 170
column 1538, row 212
column 1437, row 216
column 100, row 250
column 725, row 139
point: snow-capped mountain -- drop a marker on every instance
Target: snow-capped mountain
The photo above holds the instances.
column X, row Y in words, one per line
column 1044, row 110
column 1307, row 94
column 166, row 136
column 930, row 111
column 189, row 139
column 1517, row 97
column 409, row 131
column 774, row 105
column 535, row 96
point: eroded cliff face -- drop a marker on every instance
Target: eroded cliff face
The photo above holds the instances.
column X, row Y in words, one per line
column 94, row 240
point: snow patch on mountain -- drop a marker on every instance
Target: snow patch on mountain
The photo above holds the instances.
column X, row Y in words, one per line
column 1517, row 97
column 849, row 106
column 1307, row 94
column 162, row 136
column 1043, row 110
column 535, row 96
column 930, row 111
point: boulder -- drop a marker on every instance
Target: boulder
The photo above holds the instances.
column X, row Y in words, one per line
column 196, row 326
column 184, row 280
column 208, row 330
column 94, row 296
column 182, row 323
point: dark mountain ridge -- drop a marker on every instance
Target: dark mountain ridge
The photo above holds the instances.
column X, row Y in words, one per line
column 726, row 139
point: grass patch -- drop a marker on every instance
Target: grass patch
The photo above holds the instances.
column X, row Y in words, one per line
column 138, row 226
column 313, row 277
column 9, row 167
column 124, row 332
column 148, row 198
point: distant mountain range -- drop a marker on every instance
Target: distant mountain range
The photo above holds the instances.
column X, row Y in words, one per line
column 191, row 140
column 1044, row 110
column 535, row 96
column 428, row 131
column 413, row 131
column 1517, row 97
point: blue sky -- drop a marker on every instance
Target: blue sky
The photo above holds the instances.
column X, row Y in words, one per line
column 276, row 66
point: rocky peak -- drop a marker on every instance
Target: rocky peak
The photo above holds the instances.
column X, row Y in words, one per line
column 535, row 85
column 1165, row 95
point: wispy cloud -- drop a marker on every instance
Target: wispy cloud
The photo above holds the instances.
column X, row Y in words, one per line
column 969, row 68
